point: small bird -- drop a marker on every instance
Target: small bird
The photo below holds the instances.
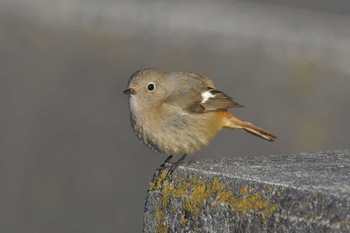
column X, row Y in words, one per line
column 179, row 113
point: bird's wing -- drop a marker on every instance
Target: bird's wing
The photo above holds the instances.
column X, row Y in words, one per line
column 214, row 100
column 197, row 94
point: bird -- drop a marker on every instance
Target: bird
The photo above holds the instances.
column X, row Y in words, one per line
column 179, row 113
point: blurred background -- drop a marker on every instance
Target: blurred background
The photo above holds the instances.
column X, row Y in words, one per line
column 69, row 161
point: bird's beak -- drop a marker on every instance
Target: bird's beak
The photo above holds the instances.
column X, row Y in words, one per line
column 129, row 91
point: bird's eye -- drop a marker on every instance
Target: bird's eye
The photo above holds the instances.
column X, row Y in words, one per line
column 151, row 87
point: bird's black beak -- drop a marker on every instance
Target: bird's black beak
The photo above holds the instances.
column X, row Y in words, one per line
column 129, row 91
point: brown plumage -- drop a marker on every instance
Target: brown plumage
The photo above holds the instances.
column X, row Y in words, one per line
column 180, row 113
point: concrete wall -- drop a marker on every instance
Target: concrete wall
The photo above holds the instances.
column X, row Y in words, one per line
column 276, row 193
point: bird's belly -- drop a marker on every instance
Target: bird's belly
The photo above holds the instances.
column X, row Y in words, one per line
column 182, row 134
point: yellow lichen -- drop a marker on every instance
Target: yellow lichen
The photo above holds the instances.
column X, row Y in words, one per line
column 191, row 206
column 167, row 193
column 226, row 197
column 196, row 192
column 243, row 190
column 159, row 215
column 151, row 185
column 161, row 226
column 155, row 184
column 216, row 185
column 200, row 193
column 254, row 203
column 183, row 220
column 182, row 189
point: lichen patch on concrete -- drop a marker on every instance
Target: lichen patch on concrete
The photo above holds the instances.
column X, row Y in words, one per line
column 190, row 195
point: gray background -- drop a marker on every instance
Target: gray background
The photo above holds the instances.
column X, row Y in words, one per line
column 69, row 161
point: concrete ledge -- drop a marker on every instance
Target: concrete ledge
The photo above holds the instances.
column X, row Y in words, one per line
column 277, row 193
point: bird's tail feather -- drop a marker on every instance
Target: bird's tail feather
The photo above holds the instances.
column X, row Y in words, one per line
column 235, row 123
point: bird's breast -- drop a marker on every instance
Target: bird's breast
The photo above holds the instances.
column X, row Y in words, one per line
column 172, row 131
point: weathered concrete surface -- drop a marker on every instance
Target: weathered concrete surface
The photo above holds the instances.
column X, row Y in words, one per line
column 277, row 193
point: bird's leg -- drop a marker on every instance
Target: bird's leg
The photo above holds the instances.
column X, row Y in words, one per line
column 176, row 164
column 167, row 159
column 165, row 163
column 161, row 168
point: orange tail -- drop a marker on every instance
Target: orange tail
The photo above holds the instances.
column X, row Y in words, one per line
column 234, row 123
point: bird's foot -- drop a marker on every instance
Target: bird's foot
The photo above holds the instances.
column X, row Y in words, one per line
column 176, row 164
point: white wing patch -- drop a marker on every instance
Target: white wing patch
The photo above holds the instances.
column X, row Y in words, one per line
column 206, row 95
